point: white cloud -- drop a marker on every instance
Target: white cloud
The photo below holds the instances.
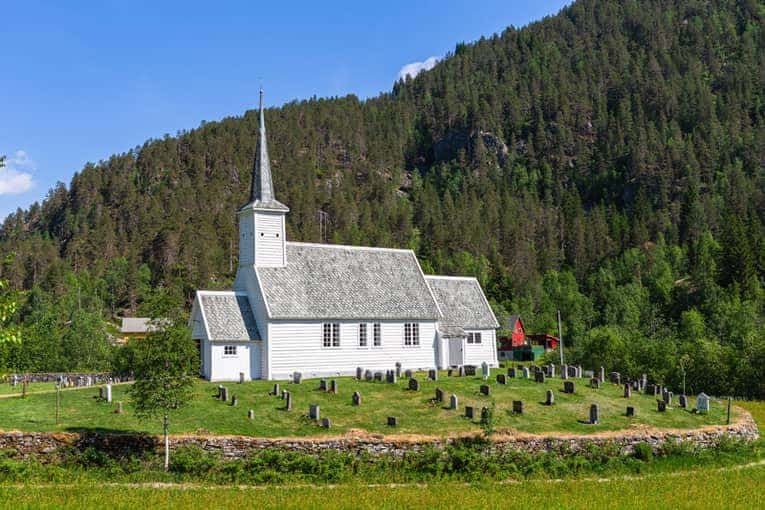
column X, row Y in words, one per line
column 416, row 68
column 16, row 175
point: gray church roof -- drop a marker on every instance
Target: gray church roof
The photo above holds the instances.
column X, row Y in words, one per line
column 462, row 302
column 322, row 281
column 228, row 316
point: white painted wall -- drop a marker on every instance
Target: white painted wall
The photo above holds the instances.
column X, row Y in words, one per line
column 205, row 347
column 475, row 354
column 297, row 346
column 269, row 239
column 227, row 368
column 246, row 238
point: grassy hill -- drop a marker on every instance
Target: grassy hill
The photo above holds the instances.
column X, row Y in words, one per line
column 416, row 411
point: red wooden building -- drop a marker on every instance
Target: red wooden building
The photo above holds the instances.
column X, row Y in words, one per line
column 511, row 346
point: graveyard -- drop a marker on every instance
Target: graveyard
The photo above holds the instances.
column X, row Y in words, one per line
column 448, row 406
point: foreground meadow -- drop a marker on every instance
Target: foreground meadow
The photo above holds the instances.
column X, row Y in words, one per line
column 417, row 411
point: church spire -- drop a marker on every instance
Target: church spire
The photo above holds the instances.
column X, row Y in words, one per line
column 262, row 190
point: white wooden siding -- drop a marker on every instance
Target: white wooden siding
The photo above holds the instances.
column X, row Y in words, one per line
column 227, row 368
column 475, row 354
column 269, row 239
column 297, row 346
column 246, row 239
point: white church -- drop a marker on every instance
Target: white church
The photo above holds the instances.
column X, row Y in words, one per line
column 323, row 309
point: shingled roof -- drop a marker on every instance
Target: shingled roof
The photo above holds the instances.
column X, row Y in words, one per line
column 322, row 281
column 228, row 316
column 462, row 302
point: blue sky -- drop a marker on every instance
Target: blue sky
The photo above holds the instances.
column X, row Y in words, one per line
column 83, row 80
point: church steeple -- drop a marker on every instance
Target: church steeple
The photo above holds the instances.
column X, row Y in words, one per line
column 262, row 189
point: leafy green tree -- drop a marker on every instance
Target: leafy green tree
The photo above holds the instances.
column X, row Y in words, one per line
column 165, row 365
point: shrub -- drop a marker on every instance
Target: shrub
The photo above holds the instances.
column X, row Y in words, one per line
column 643, row 451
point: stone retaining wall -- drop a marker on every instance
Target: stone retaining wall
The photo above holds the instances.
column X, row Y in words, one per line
column 96, row 377
column 47, row 444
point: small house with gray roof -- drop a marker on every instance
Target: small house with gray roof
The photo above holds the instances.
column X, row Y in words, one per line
column 324, row 310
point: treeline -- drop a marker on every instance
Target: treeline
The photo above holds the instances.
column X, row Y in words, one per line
column 608, row 160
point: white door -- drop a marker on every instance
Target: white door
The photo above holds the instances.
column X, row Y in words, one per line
column 456, row 352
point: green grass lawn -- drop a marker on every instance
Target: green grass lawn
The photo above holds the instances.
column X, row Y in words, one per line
column 8, row 389
column 417, row 413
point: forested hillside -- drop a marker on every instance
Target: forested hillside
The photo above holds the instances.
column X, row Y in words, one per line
column 609, row 161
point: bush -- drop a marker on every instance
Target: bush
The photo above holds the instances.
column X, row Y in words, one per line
column 193, row 460
column 643, row 451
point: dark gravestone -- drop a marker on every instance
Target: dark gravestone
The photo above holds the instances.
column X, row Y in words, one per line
column 241, row 377
column 224, row 394
column 326, row 423
column 525, row 372
column 379, row 376
column 359, row 373
column 391, row 377
column 485, row 416
column 392, row 421
column 414, row 384
column 469, row 412
column 656, row 390
column 297, row 377
column 433, row 374
column 408, row 373
column 615, row 377
column 595, row 383
column 453, row 402
column 539, row 376
column 501, row 379
column 511, row 372
column 323, row 385
column 288, row 401
column 667, row 397
column 594, row 414
column 314, row 412
column 398, row 369
column 518, row 406
column 439, row 395
column 449, row 372
column 630, row 411
column 333, row 386
column 485, row 389
column 470, row 369
column 682, row 401
column 662, row 406
column 250, row 414
column 549, row 398
column 234, row 400
column 356, row 398
column 284, row 394
column 627, row 391
column 368, row 375
column 462, row 371
column 275, row 391
column 568, row 387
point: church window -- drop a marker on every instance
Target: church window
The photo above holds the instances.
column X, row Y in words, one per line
column 331, row 336
column 411, row 334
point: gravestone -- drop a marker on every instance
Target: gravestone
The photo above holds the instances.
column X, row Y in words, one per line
column 398, row 369
column 539, row 376
column 275, row 391
column 297, row 377
column 501, row 379
column 525, row 372
column 549, row 398
column 241, row 377
column 682, row 401
column 391, row 377
column 568, row 387
column 433, row 374
column 326, row 423
column 661, row 405
column 414, row 384
column 656, row 390
column 392, row 421
column 220, row 392
column 469, row 412
column 485, row 370
column 288, row 401
column 564, row 372
column 595, row 383
column 368, row 375
column 284, row 393
column 234, row 400
column 485, row 416
column 356, row 398
column 108, row 393
column 550, row 370
column 485, row 389
column 511, row 372
column 630, row 411
column 118, row 409
column 667, row 397
column 408, row 373
column 379, row 376
column 594, row 414
column 453, row 402
column 439, row 395
column 627, row 391
column 251, row 414
column 333, row 386
column 602, row 376
column 518, row 406
column 314, row 412
column 449, row 372
column 702, row 403
column 615, row 377
column 461, row 371
column 469, row 369
column 224, row 395
column 100, row 392
column 579, row 371
column 359, row 373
